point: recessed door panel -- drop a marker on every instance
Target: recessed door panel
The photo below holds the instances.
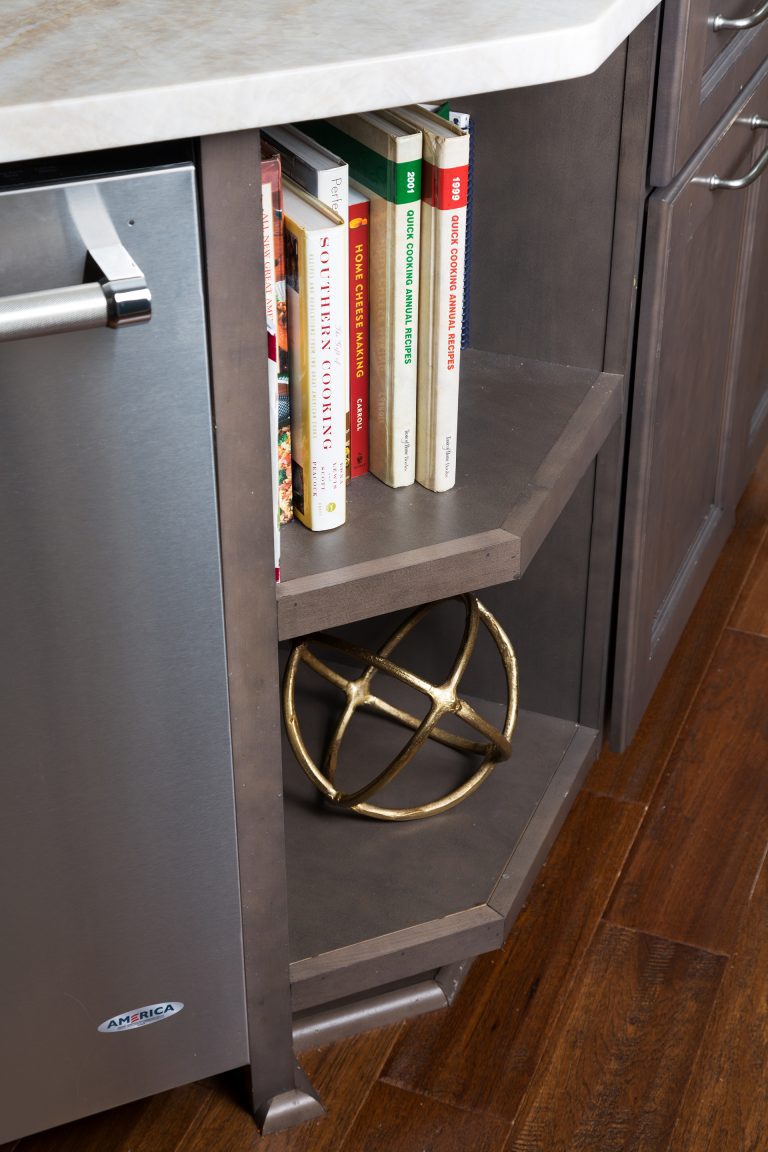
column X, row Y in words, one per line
column 680, row 505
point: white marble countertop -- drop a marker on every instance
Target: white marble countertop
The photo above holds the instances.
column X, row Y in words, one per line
column 77, row 75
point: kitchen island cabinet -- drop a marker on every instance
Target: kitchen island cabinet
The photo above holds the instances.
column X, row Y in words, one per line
column 347, row 925
column 701, row 371
column 710, row 50
column 382, row 918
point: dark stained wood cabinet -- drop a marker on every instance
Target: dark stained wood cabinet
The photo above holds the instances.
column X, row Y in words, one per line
column 699, row 387
column 379, row 915
column 374, row 922
column 348, row 924
column 586, row 448
column 703, row 67
column 749, row 426
column 379, row 919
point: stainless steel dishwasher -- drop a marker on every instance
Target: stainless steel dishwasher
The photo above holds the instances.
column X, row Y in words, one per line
column 121, row 968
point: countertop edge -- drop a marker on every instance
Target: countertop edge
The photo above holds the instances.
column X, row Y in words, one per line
column 147, row 114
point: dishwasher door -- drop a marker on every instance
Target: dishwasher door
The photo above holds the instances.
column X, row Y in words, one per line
column 121, row 969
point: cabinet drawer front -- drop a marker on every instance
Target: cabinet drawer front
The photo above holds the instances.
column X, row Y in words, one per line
column 702, row 70
column 682, row 455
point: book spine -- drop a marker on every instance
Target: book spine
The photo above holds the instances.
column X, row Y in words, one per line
column 464, row 121
column 393, row 445
column 284, row 477
column 466, row 317
column 446, row 197
column 359, row 216
column 267, row 224
column 319, row 384
column 394, row 187
column 271, row 169
column 333, row 190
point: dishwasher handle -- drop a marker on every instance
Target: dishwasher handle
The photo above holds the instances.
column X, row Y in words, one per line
column 106, row 302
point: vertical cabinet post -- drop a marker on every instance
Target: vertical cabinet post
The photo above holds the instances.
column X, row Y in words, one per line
column 234, row 256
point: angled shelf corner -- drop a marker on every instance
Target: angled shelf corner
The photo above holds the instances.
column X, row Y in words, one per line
column 528, row 431
column 373, row 903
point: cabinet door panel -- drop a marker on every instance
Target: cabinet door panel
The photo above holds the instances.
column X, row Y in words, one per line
column 750, row 423
column 701, row 71
column 679, row 507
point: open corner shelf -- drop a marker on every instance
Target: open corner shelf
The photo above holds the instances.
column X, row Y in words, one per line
column 528, row 430
column 372, row 904
column 375, row 902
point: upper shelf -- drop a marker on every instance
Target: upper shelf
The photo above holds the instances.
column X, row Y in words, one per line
column 527, row 433
column 89, row 74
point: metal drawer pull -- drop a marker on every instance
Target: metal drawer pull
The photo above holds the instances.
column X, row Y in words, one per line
column 719, row 23
column 749, row 178
column 109, row 301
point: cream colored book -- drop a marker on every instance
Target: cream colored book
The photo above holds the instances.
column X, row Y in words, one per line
column 443, row 244
column 385, row 160
column 316, row 277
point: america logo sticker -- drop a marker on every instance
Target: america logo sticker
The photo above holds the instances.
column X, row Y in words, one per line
column 138, row 1017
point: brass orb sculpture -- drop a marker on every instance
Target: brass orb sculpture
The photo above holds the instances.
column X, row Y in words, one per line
column 444, row 701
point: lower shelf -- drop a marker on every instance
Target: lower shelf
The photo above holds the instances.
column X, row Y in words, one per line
column 373, row 903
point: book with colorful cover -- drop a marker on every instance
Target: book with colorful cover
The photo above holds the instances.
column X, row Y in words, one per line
column 443, row 237
column 324, row 175
column 277, row 329
column 386, row 160
column 359, row 246
column 268, row 234
column 315, row 250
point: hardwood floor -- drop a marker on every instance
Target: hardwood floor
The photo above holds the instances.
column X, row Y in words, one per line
column 627, row 1009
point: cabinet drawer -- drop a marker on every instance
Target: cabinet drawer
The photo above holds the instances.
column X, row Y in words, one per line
column 702, row 69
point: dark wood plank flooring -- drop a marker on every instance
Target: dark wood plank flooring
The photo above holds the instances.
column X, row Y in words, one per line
column 627, row 1009
column 616, row 1068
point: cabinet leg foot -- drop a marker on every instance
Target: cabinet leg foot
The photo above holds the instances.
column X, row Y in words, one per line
column 285, row 1110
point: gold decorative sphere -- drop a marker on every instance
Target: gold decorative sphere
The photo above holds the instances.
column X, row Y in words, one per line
column 444, row 699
